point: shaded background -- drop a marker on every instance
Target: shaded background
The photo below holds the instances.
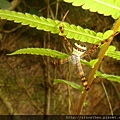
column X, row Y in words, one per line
column 26, row 81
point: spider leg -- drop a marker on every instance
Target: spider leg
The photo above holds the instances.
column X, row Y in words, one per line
column 95, row 47
column 81, row 73
column 63, row 34
column 62, row 61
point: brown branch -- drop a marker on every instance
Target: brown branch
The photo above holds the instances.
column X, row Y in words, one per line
column 100, row 57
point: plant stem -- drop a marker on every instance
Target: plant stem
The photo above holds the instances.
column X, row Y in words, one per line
column 100, row 57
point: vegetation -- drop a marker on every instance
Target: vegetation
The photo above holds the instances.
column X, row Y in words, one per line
column 75, row 33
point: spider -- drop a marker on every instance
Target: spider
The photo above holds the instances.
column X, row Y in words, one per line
column 77, row 53
column 75, row 57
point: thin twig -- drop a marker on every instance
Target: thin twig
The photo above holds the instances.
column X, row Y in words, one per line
column 107, row 98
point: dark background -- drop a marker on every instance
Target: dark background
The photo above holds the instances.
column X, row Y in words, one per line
column 26, row 81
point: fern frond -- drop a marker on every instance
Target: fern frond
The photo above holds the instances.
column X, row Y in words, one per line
column 85, row 35
column 40, row 51
column 74, row 85
column 56, row 54
column 108, row 77
column 99, row 74
column 41, row 23
column 112, row 53
column 105, row 7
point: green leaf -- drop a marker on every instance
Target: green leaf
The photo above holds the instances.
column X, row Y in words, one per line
column 108, row 77
column 91, row 63
column 112, row 53
column 33, row 11
column 105, row 7
column 85, row 35
column 40, row 51
column 107, row 34
column 74, row 85
column 5, row 4
column 41, row 23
